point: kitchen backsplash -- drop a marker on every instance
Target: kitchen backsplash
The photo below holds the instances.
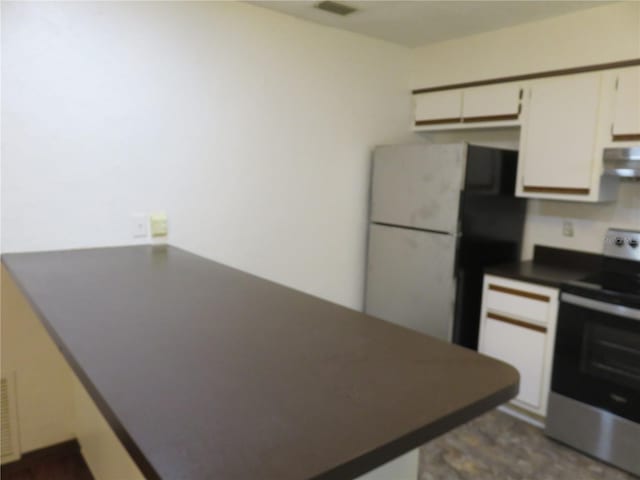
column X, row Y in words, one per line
column 590, row 222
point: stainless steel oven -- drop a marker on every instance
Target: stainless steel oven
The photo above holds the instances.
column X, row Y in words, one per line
column 594, row 403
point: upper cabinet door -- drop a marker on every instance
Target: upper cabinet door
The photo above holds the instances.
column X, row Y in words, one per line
column 557, row 143
column 491, row 103
column 626, row 117
column 438, row 107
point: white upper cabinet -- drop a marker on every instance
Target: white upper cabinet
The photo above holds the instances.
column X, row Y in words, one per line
column 559, row 158
column 474, row 107
column 438, row 107
column 557, row 145
column 626, row 111
column 491, row 103
column 566, row 121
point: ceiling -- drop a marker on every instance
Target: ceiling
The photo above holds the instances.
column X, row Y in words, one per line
column 416, row 23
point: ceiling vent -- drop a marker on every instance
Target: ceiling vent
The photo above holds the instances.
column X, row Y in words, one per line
column 335, row 8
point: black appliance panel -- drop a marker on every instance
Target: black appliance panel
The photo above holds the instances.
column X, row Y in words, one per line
column 597, row 359
column 492, row 223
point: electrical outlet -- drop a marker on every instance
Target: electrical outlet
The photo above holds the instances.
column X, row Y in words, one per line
column 139, row 225
column 567, row 228
column 159, row 226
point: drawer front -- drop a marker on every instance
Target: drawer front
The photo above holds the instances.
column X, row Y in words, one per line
column 522, row 347
column 518, row 302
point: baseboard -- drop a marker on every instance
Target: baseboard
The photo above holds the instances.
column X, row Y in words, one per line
column 520, row 414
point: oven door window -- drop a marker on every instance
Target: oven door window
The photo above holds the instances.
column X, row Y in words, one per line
column 612, row 355
column 597, row 360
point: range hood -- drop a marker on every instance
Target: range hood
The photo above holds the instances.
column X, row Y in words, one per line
column 622, row 162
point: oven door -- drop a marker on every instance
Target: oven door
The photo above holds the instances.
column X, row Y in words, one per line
column 597, row 355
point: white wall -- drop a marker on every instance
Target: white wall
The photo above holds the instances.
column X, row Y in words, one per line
column 252, row 130
column 598, row 35
column 590, row 222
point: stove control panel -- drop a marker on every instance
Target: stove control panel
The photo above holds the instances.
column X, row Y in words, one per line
column 622, row 244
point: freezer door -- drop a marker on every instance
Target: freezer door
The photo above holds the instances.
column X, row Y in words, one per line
column 410, row 279
column 418, row 185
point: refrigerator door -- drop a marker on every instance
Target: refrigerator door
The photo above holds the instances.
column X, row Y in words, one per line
column 418, row 186
column 410, row 279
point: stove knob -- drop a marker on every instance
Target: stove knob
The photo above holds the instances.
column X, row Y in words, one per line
column 633, row 243
column 619, row 241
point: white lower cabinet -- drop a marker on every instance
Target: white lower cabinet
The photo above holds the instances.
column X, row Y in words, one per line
column 400, row 468
column 524, row 349
column 517, row 326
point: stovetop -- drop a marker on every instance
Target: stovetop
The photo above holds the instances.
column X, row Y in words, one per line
column 618, row 280
column 612, row 287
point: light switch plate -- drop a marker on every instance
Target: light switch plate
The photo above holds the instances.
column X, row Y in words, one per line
column 159, row 224
column 139, row 225
column 567, row 228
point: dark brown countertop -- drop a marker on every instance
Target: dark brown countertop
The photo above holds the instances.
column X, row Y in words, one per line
column 550, row 266
column 206, row 372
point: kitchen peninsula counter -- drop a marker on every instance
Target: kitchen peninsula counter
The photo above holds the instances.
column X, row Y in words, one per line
column 204, row 371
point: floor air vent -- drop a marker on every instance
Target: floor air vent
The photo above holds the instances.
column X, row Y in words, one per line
column 9, row 420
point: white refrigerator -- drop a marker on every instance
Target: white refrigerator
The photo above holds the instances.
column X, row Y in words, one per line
column 438, row 215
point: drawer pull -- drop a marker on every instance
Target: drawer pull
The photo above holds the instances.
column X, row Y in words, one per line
column 518, row 323
column 520, row 293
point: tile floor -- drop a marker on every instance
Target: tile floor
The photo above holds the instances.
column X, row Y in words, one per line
column 492, row 447
column 497, row 446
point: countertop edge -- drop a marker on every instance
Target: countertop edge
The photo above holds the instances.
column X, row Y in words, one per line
column 419, row 437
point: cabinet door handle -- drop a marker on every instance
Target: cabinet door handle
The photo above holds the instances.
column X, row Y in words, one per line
column 625, row 137
column 491, row 118
column 438, row 121
column 518, row 323
column 559, row 190
column 520, row 293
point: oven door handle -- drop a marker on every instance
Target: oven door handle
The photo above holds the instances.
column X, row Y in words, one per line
column 611, row 308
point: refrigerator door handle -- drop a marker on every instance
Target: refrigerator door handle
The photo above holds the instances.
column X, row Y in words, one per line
column 457, row 308
column 405, row 227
